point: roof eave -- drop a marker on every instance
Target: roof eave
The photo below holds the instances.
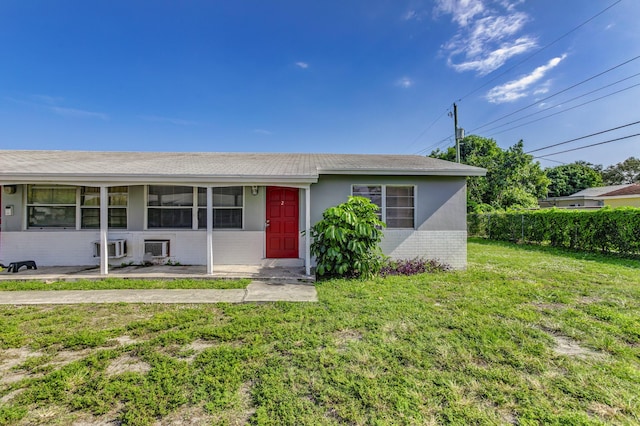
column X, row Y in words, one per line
column 25, row 178
column 402, row 172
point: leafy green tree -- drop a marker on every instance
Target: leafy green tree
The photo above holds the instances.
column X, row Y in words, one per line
column 568, row 179
column 513, row 178
column 346, row 242
column 627, row 171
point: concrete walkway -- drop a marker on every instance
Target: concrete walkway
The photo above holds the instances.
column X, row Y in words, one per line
column 256, row 291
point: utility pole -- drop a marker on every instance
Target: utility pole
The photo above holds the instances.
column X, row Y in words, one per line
column 455, row 133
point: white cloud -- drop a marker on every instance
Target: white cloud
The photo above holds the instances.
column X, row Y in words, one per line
column 461, row 11
column 486, row 37
column 543, row 88
column 78, row 113
column 51, row 100
column 517, row 89
column 493, row 60
column 411, row 14
column 302, row 65
column 51, row 103
column 170, row 120
column 262, row 132
column 404, row 82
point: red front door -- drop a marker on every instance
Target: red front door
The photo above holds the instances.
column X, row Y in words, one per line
column 282, row 222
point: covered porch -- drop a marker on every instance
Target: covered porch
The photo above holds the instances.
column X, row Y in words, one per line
column 268, row 271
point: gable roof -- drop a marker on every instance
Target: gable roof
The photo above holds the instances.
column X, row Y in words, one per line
column 598, row 191
column 72, row 166
column 632, row 189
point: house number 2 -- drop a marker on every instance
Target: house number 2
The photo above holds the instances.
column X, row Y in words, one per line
column 282, row 203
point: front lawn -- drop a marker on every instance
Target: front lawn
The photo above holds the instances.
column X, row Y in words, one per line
column 122, row 283
column 526, row 335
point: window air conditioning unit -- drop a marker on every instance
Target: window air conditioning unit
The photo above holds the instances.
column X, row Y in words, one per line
column 115, row 248
column 157, row 248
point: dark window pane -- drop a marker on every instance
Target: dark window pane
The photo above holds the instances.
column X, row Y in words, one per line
column 51, row 217
column 399, row 191
column 400, row 217
column 51, row 195
column 227, row 197
column 202, row 218
column 90, row 196
column 400, row 206
column 222, row 197
column 118, row 218
column 169, row 218
column 222, row 218
column 400, row 223
column 90, row 218
column 373, row 193
column 227, row 218
column 170, row 195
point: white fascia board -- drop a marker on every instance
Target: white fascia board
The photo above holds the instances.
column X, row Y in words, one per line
column 98, row 180
column 405, row 172
column 615, row 197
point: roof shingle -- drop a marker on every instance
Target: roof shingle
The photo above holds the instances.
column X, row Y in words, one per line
column 208, row 165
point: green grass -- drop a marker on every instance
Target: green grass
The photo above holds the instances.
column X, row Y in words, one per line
column 467, row 347
column 119, row 283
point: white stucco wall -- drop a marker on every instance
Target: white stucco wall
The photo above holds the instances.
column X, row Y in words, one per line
column 68, row 248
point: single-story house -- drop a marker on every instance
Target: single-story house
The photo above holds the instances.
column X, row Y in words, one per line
column 87, row 208
column 626, row 195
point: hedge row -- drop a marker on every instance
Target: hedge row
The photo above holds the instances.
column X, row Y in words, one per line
column 604, row 230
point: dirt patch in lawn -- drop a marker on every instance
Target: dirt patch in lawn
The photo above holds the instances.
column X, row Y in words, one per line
column 567, row 346
column 63, row 358
column 549, row 306
column 344, row 337
column 8, row 397
column 11, row 358
column 127, row 364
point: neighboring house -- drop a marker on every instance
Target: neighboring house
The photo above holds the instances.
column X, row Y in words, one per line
column 82, row 208
column 614, row 195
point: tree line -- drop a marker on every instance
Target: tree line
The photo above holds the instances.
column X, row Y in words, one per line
column 515, row 180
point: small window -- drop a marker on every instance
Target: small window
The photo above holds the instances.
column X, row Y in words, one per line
column 399, row 207
column 227, row 207
column 90, row 207
column 51, row 206
column 396, row 202
column 169, row 206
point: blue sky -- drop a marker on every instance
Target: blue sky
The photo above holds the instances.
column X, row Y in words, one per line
column 332, row 76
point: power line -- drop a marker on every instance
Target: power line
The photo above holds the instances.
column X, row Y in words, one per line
column 553, row 161
column 540, row 50
column 434, row 145
column 566, row 110
column 428, row 127
column 583, row 137
column 557, row 93
column 589, row 146
column 505, row 72
column 567, row 101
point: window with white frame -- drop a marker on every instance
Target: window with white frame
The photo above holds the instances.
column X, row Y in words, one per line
column 228, row 204
column 51, row 206
column 90, row 207
column 59, row 206
column 396, row 202
column 174, row 207
column 169, row 206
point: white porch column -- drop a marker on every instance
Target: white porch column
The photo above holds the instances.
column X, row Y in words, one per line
column 104, row 230
column 209, row 231
column 307, row 230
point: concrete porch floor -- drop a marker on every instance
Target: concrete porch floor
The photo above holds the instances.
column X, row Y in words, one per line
column 289, row 274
